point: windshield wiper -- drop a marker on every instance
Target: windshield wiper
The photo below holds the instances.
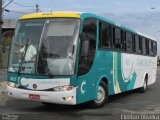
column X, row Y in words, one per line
column 44, row 63
column 23, row 57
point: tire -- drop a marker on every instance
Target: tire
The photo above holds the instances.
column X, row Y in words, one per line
column 144, row 87
column 48, row 104
column 102, row 96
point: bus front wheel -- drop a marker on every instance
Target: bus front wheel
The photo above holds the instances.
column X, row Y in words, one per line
column 102, row 96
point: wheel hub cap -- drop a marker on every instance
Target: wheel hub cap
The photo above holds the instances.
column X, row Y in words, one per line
column 100, row 95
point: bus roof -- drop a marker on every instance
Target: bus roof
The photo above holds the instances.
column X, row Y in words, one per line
column 70, row 14
column 51, row 15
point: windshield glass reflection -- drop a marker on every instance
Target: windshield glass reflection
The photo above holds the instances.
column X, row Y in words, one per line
column 45, row 46
column 58, row 47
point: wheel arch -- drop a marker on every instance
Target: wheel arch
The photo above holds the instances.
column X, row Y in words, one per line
column 104, row 79
column 145, row 77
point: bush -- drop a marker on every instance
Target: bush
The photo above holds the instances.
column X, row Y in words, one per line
column 8, row 44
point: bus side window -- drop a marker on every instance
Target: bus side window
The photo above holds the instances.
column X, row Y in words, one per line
column 104, row 40
column 123, row 39
column 129, row 42
column 136, row 43
column 117, row 38
column 147, row 46
column 150, row 48
column 140, row 45
column 88, row 45
column 154, row 48
column 110, row 36
column 143, row 45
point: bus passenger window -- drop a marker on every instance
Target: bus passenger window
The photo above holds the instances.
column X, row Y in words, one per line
column 140, row 44
column 129, row 42
column 117, row 38
column 134, row 44
column 123, row 40
column 143, row 45
column 103, row 35
column 137, row 43
column 110, row 37
column 154, row 48
column 147, row 47
column 150, row 48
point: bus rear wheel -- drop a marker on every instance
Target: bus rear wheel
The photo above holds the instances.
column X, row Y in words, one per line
column 144, row 87
column 102, row 96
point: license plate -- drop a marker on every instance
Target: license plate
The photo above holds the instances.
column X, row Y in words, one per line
column 33, row 96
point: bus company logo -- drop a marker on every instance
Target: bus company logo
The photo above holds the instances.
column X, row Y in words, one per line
column 13, row 79
column 34, row 86
column 82, row 88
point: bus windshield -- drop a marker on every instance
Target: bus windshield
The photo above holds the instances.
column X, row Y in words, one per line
column 45, row 46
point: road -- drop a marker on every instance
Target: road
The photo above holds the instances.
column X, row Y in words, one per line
column 129, row 103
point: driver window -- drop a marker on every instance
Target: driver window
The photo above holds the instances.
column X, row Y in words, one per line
column 88, row 46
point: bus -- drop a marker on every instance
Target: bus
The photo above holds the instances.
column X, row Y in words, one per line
column 72, row 57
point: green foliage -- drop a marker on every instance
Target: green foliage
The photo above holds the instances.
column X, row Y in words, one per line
column 8, row 43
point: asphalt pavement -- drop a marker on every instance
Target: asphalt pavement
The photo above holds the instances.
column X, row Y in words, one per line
column 127, row 106
column 3, row 81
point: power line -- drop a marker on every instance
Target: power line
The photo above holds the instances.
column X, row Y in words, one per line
column 7, row 4
column 15, row 11
column 21, row 4
column 1, row 22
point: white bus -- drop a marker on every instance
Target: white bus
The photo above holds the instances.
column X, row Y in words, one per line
column 71, row 58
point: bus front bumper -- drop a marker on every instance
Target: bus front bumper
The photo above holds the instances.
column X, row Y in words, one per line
column 58, row 97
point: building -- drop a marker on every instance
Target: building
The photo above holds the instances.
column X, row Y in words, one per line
column 7, row 33
column 8, row 24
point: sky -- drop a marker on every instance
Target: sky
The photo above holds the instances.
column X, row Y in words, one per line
column 141, row 15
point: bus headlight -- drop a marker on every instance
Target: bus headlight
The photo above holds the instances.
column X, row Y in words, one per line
column 63, row 88
column 11, row 84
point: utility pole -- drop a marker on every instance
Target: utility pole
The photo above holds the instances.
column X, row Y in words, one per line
column 1, row 12
column 37, row 8
column 1, row 21
column 1, row 32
